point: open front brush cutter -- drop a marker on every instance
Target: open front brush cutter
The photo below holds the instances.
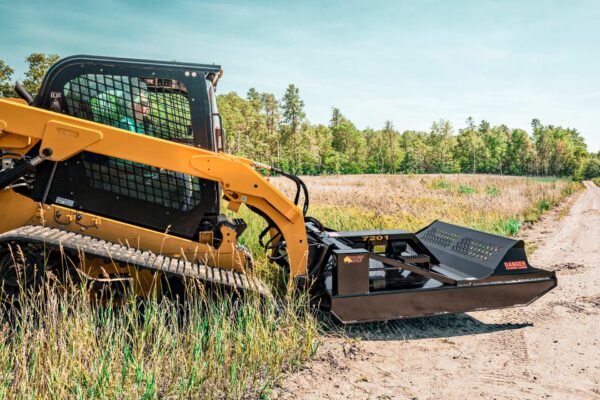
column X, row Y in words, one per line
column 444, row 268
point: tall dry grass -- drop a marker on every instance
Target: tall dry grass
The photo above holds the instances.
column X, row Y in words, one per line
column 57, row 344
column 497, row 204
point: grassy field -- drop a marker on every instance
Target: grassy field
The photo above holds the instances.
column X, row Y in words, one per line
column 496, row 204
column 60, row 346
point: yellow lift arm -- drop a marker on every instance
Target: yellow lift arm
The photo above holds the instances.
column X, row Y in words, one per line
column 64, row 136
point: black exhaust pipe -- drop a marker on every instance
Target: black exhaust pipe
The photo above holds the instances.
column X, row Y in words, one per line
column 23, row 93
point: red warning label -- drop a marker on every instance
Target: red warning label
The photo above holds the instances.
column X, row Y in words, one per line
column 511, row 265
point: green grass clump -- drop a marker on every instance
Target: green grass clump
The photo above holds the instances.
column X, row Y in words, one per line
column 596, row 181
column 511, row 226
column 441, row 184
column 492, row 191
column 544, row 205
column 465, row 189
column 569, row 189
column 533, row 213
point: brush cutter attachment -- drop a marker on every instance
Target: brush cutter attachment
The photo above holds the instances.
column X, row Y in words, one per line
column 390, row 274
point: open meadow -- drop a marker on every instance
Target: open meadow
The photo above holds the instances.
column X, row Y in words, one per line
column 58, row 346
column 496, row 204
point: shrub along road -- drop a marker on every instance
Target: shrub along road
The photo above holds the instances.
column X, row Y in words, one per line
column 549, row 349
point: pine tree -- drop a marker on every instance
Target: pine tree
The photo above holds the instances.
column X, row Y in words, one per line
column 293, row 117
column 255, row 99
column 392, row 139
column 272, row 120
column 336, row 117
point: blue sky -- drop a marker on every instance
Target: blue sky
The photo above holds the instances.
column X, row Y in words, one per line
column 411, row 62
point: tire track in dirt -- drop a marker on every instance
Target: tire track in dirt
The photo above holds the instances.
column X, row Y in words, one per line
column 550, row 349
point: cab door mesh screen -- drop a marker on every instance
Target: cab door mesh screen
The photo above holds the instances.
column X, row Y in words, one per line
column 148, row 106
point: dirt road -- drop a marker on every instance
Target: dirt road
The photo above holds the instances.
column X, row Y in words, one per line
column 550, row 349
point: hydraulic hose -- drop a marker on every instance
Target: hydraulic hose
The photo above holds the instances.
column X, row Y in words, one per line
column 20, row 168
column 300, row 186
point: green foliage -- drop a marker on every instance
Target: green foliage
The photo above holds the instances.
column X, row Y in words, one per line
column 441, row 184
column 465, row 189
column 511, row 226
column 570, row 189
column 596, row 181
column 349, row 143
column 560, row 151
column 292, row 122
column 384, row 151
column 6, row 86
column 244, row 129
column 544, row 205
column 533, row 214
column 470, row 147
column 592, row 167
column 519, row 153
column 38, row 63
column 277, row 133
column 546, row 179
column 492, row 191
column 441, row 148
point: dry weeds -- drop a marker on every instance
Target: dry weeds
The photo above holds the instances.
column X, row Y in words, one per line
column 413, row 201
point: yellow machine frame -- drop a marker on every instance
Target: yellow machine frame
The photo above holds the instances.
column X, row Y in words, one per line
column 23, row 126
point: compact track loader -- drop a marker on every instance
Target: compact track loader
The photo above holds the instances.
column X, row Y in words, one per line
column 119, row 164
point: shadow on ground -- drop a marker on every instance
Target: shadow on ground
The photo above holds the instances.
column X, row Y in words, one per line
column 441, row 326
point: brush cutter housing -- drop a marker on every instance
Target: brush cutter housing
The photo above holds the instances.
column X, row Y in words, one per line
column 381, row 275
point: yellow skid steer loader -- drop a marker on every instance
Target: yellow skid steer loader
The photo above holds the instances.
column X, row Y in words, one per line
column 120, row 163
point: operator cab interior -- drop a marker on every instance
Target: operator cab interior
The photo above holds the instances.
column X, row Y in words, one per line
column 170, row 101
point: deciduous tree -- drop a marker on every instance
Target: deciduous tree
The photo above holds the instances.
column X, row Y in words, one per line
column 38, row 63
column 6, row 85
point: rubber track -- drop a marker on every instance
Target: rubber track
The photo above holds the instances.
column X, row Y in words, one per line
column 117, row 253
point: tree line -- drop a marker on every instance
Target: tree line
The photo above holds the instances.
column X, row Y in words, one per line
column 276, row 131
column 37, row 65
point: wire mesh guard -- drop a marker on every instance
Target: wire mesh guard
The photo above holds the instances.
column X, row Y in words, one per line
column 149, row 106
column 440, row 237
column 464, row 245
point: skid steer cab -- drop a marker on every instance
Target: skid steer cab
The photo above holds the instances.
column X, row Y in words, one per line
column 120, row 164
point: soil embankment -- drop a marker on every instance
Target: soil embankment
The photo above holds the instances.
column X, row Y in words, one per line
column 550, row 349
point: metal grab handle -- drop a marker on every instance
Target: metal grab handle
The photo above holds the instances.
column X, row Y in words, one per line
column 221, row 132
